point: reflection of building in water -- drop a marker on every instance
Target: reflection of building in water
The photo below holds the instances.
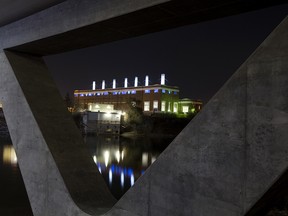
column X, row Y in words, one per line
column 9, row 155
column 120, row 164
column 149, row 98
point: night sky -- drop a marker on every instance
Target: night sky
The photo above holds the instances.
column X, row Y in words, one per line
column 197, row 58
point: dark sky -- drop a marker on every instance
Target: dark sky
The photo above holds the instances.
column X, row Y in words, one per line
column 198, row 58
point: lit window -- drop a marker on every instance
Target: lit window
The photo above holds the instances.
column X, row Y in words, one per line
column 81, row 95
column 133, row 92
column 155, row 105
column 169, row 108
column 147, row 91
column 146, row 105
column 156, row 91
column 105, row 93
column 163, row 90
column 90, row 94
column 175, row 107
column 129, row 92
column 123, row 92
column 98, row 93
column 175, row 92
column 185, row 109
column 114, row 93
column 163, row 106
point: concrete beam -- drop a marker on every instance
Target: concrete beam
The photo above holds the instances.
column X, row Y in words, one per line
column 77, row 24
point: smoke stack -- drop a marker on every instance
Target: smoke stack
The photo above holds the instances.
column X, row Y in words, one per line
column 136, row 82
column 162, row 79
column 146, row 81
column 114, row 84
column 126, row 83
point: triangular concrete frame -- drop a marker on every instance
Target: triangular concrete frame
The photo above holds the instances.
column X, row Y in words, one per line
column 220, row 164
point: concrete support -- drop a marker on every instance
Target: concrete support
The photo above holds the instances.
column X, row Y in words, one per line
column 60, row 177
column 220, row 164
column 232, row 152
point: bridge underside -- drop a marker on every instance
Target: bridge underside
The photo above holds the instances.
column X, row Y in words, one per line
column 136, row 20
column 222, row 163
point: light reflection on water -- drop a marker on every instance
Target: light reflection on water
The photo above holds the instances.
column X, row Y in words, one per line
column 9, row 155
column 120, row 160
column 13, row 196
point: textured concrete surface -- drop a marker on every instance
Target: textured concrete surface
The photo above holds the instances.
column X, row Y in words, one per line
column 77, row 24
column 52, row 156
column 14, row 10
column 220, row 164
column 232, row 152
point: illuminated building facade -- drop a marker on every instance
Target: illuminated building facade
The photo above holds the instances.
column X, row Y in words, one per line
column 149, row 98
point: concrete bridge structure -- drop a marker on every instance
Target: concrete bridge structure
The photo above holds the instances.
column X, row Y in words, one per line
column 230, row 160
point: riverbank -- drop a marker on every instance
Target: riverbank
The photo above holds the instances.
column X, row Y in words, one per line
column 156, row 127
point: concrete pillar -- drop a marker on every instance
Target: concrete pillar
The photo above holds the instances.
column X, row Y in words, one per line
column 59, row 174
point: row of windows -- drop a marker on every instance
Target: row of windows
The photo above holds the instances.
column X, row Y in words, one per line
column 163, row 106
column 125, row 92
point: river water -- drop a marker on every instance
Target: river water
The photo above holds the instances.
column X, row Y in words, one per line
column 120, row 160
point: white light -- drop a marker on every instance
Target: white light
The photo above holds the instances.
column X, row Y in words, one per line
column 95, row 159
column 162, row 79
column 122, row 155
column 146, row 80
column 108, row 114
column 103, row 84
column 126, row 83
column 106, row 157
column 94, row 85
column 114, row 83
column 136, row 82
column 110, row 176
column 132, row 180
column 117, row 155
column 145, row 159
column 153, row 159
column 122, row 179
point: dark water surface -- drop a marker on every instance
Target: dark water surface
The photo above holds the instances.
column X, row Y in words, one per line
column 121, row 161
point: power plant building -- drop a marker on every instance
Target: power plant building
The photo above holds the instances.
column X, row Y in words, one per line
column 149, row 98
